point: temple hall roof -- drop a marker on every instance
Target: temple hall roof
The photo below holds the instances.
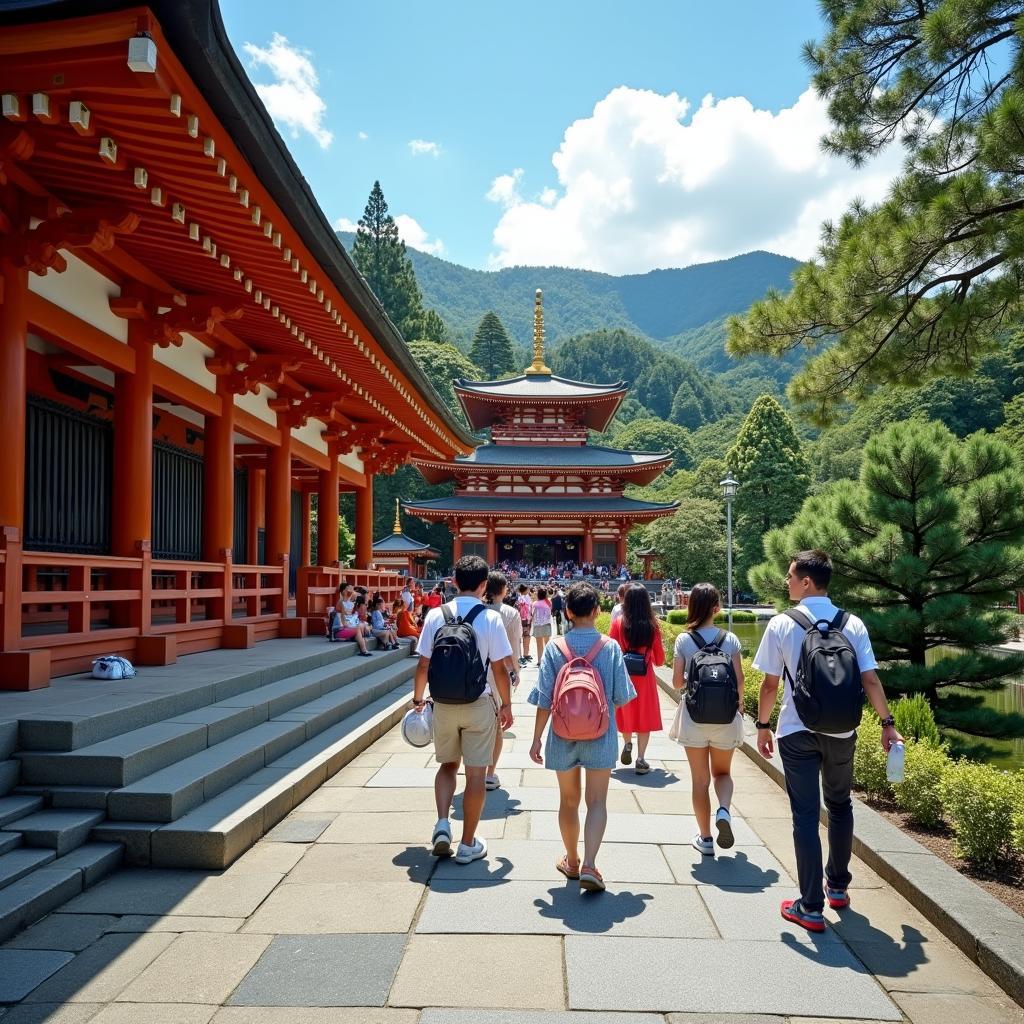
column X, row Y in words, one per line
column 543, row 506
column 400, row 544
column 538, row 385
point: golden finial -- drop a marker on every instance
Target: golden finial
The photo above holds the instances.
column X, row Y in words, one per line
column 538, row 365
column 397, row 528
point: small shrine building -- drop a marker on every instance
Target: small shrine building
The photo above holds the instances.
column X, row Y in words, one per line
column 538, row 491
column 188, row 356
column 398, row 553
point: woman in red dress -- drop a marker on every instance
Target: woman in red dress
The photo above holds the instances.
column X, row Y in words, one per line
column 637, row 631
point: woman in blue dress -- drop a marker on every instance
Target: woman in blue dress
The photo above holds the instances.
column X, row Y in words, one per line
column 566, row 757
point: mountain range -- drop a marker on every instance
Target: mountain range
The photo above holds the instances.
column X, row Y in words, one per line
column 682, row 310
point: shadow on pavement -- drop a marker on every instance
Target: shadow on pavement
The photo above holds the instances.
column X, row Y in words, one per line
column 733, row 872
column 591, row 912
column 657, row 778
column 419, row 863
column 497, row 806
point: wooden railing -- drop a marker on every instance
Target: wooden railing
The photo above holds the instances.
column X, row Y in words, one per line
column 316, row 587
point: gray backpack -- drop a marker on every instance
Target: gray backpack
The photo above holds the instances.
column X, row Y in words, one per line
column 827, row 692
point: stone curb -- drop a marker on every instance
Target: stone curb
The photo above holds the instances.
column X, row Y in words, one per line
column 984, row 929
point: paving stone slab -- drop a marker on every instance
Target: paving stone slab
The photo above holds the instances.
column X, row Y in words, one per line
column 51, row 1013
column 322, row 970
column 941, row 1008
column 746, row 1018
column 414, row 828
column 747, row 866
column 792, row 978
column 175, row 923
column 22, row 970
column 265, row 856
column 363, row 801
column 559, row 908
column 532, row 980
column 519, row 860
column 351, row 775
column 71, row 932
column 754, row 914
column 154, row 1013
column 314, row 1015
column 936, row 966
column 367, row 862
column 673, row 829
column 451, row 1016
column 197, row 968
column 402, row 778
column 156, row 891
column 99, row 973
column 522, row 798
column 337, row 907
column 331, row 800
column 295, row 829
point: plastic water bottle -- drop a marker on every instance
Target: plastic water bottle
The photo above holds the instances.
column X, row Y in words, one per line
column 895, row 762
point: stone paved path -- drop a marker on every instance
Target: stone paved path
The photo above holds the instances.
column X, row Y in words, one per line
column 341, row 906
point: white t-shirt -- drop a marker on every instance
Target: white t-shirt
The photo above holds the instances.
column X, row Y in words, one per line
column 781, row 644
column 513, row 630
column 491, row 640
column 616, row 611
column 407, row 600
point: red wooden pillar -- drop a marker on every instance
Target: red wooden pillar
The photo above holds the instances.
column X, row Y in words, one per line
column 620, row 547
column 256, row 513
column 327, row 513
column 492, row 546
column 279, row 496
column 131, row 522
column 364, row 523
column 588, row 543
column 219, row 481
column 307, row 541
column 456, row 543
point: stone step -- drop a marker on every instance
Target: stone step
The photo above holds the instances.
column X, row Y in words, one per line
column 20, row 862
column 9, row 841
column 171, row 792
column 161, row 693
column 62, row 831
column 30, row 898
column 8, row 739
column 220, row 830
column 10, row 774
column 124, row 759
column 14, row 807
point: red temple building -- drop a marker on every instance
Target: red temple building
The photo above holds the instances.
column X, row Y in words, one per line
column 188, row 357
column 538, row 491
column 398, row 553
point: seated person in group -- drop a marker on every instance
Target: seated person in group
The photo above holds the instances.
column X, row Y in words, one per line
column 362, row 614
column 386, row 637
column 406, row 625
column 344, row 624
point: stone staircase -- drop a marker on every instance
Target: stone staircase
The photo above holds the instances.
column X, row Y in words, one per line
column 188, row 772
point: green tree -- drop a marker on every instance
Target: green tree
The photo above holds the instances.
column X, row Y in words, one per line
column 770, row 465
column 492, row 348
column 346, row 536
column 921, row 284
column 380, row 256
column 441, row 365
column 432, row 328
column 654, row 435
column 691, row 542
column 1011, row 432
column 924, row 545
column 707, row 480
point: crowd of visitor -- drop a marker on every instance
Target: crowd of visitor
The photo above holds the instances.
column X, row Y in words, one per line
column 518, row 569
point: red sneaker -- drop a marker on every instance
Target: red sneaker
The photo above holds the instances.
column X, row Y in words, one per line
column 838, row 899
column 793, row 911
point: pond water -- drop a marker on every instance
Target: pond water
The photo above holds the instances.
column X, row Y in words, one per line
column 1001, row 753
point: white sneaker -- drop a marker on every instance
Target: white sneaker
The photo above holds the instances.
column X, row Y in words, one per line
column 468, row 854
column 492, row 782
column 441, row 841
column 704, row 846
column 723, row 822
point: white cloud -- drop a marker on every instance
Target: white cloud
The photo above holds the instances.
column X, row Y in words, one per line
column 420, row 147
column 643, row 185
column 292, row 98
column 505, row 189
column 362, row 136
column 344, row 224
column 412, row 233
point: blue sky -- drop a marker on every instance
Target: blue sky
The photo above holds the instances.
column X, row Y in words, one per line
column 459, row 110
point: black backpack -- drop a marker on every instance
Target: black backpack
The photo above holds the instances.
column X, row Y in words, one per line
column 712, row 696
column 827, row 692
column 456, row 674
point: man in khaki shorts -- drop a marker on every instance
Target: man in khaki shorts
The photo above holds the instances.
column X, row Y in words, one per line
column 466, row 732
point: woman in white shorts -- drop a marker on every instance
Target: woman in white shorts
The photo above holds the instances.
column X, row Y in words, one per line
column 709, row 748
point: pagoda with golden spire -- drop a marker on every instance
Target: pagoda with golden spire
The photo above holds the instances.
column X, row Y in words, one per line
column 538, row 491
column 399, row 553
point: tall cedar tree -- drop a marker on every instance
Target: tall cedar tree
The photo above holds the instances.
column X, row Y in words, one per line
column 492, row 348
column 770, row 465
column 924, row 545
column 691, row 542
column 380, row 256
column 921, row 284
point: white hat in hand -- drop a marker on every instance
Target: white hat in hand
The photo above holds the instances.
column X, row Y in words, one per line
column 418, row 726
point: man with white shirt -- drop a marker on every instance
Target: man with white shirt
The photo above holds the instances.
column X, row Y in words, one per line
column 808, row 755
column 466, row 731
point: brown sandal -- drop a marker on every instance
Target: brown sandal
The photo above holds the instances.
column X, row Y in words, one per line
column 591, row 880
column 563, row 867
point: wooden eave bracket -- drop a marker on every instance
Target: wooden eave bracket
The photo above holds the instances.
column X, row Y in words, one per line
column 187, row 314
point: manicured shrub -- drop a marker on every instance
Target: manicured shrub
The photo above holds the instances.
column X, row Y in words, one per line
column 914, row 719
column 678, row 617
column 869, row 759
column 920, row 793
column 752, row 679
column 981, row 805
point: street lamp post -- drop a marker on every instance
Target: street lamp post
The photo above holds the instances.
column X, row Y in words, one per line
column 729, row 487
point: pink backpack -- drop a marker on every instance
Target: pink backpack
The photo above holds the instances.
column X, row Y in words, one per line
column 579, row 708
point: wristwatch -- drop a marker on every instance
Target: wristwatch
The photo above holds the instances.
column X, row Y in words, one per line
column 762, row 725
column 889, row 723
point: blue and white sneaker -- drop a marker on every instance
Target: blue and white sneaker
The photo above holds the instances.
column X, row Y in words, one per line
column 703, row 844
column 723, row 822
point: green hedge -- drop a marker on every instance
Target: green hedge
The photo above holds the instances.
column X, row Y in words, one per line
column 678, row 617
column 752, row 679
column 981, row 804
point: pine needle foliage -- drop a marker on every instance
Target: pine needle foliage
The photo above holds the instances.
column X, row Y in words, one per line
column 924, row 545
column 492, row 348
column 919, row 285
